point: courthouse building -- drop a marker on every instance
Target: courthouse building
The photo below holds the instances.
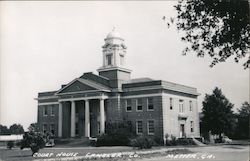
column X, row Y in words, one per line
column 84, row 106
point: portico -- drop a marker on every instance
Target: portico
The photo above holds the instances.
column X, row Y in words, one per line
column 81, row 108
column 100, row 119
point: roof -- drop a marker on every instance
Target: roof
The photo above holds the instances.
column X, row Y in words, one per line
column 146, row 83
column 85, row 85
column 48, row 93
column 96, row 78
column 93, row 84
column 139, row 80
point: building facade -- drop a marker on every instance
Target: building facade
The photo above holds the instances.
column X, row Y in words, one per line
column 84, row 106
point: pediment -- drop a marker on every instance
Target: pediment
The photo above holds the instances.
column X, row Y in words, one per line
column 76, row 86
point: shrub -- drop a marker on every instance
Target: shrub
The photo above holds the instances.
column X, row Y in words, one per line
column 10, row 144
column 170, row 140
column 32, row 140
column 185, row 141
column 112, row 140
column 116, row 134
column 158, row 141
column 142, row 142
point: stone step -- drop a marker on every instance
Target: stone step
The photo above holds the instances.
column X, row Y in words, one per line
column 72, row 142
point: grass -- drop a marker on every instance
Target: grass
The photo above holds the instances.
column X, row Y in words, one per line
column 25, row 155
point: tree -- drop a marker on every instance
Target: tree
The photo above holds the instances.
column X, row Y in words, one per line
column 217, row 28
column 34, row 127
column 217, row 113
column 4, row 130
column 33, row 140
column 16, row 129
column 243, row 115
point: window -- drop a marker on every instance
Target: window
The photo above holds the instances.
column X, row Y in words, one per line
column 139, row 104
column 45, row 128
column 191, row 126
column 139, row 128
column 150, row 104
column 191, row 105
column 171, row 103
column 122, row 59
column 151, row 127
column 181, row 106
column 128, row 105
column 52, row 111
column 45, row 111
column 52, row 128
column 109, row 59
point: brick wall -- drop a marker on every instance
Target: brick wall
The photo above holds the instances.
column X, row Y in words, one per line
column 145, row 115
column 48, row 119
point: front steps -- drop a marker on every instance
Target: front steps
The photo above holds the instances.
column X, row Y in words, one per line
column 72, row 142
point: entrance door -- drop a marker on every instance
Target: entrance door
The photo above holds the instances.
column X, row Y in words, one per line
column 182, row 130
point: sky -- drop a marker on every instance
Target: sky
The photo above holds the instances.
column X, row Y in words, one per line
column 46, row 44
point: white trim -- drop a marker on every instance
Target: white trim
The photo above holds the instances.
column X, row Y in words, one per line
column 148, row 126
column 126, row 103
column 44, row 128
column 82, row 98
column 171, row 106
column 102, row 69
column 44, row 108
column 46, row 97
column 148, row 104
column 80, row 80
column 174, row 96
column 181, row 106
column 52, row 114
column 66, row 86
column 136, row 126
column 142, row 95
column 131, row 89
column 81, row 92
column 47, row 103
column 191, row 126
column 191, row 105
column 154, row 95
column 136, row 105
column 50, row 125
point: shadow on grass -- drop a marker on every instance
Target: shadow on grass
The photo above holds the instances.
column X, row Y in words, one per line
column 21, row 155
column 233, row 147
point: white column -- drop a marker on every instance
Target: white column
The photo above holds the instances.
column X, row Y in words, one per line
column 60, row 120
column 87, row 122
column 102, row 119
column 104, row 59
column 73, row 119
column 115, row 57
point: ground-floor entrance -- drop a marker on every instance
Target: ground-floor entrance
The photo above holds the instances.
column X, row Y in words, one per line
column 82, row 118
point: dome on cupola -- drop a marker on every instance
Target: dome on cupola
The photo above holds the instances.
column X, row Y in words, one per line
column 114, row 35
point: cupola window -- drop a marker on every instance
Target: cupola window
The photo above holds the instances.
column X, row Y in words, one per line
column 109, row 59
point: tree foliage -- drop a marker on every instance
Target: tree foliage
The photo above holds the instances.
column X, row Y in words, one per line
column 4, row 130
column 33, row 140
column 217, row 113
column 218, row 28
column 16, row 129
column 34, row 127
column 243, row 115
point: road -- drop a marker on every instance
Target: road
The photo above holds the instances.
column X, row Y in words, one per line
column 209, row 153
